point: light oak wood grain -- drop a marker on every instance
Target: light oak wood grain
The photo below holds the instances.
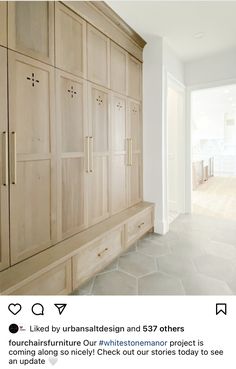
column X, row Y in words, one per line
column 31, row 116
column 31, row 29
column 4, row 189
column 118, row 69
column 138, row 226
column 70, row 36
column 3, row 23
column 134, row 78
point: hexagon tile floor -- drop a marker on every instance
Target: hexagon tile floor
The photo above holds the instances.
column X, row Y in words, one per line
column 197, row 257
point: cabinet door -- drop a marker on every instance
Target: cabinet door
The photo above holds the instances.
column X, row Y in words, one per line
column 70, row 40
column 98, row 53
column 134, row 133
column 118, row 69
column 71, row 123
column 31, row 29
column 98, row 181
column 32, row 156
column 134, row 78
column 3, row 23
column 4, row 207
column 118, row 164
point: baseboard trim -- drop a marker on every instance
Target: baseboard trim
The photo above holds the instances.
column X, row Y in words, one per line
column 161, row 227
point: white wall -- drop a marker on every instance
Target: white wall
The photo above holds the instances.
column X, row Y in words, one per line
column 219, row 67
column 159, row 60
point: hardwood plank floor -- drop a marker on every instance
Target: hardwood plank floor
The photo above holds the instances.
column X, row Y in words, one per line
column 216, row 197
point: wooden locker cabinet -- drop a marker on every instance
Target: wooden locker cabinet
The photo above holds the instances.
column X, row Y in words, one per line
column 70, row 36
column 31, row 29
column 72, row 128
column 118, row 155
column 32, row 156
column 99, row 153
column 118, row 69
column 3, row 23
column 4, row 184
column 98, row 56
column 134, row 78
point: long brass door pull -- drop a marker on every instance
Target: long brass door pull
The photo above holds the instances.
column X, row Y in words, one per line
column 4, row 159
column 13, row 158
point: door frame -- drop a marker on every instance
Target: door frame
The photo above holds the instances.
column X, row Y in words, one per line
column 188, row 135
column 171, row 80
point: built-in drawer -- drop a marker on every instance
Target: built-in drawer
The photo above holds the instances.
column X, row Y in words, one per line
column 138, row 226
column 94, row 257
column 56, row 281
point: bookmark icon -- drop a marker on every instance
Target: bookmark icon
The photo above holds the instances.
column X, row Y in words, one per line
column 60, row 307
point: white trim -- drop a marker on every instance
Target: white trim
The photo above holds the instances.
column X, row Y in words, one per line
column 161, row 227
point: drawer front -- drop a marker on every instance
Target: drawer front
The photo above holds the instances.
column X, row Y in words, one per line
column 93, row 258
column 138, row 226
column 56, row 281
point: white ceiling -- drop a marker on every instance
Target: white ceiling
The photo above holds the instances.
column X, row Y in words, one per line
column 179, row 21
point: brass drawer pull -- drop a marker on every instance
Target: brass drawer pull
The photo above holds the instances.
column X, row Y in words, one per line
column 102, row 252
column 4, row 161
column 141, row 224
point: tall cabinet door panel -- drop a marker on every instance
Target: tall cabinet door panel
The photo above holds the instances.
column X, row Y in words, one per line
column 3, row 23
column 134, row 134
column 98, row 195
column 118, row 69
column 70, row 41
column 98, row 56
column 4, row 207
column 119, row 159
column 72, row 129
column 134, row 78
column 32, row 156
column 31, row 28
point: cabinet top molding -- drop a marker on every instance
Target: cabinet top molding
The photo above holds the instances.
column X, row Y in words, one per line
column 100, row 15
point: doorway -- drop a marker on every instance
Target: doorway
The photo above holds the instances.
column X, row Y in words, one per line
column 213, row 137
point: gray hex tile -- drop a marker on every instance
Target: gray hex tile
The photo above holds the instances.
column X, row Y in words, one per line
column 176, row 265
column 85, row 289
column 110, row 267
column 137, row 264
column 199, row 284
column 224, row 250
column 160, row 284
column 114, row 283
column 188, row 247
column 132, row 248
column 215, row 267
column 232, row 284
column 150, row 248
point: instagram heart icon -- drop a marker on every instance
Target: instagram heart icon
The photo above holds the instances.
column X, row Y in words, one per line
column 14, row 308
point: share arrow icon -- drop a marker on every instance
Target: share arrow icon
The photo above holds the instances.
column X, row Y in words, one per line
column 60, row 307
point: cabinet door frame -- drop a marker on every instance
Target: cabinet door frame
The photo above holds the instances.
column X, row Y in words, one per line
column 58, row 8
column 95, row 154
column 13, row 57
column 3, row 23
column 124, row 52
column 4, row 189
column 139, row 96
column 61, row 155
column 24, row 50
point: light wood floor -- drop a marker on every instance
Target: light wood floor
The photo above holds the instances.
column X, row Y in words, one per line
column 216, row 197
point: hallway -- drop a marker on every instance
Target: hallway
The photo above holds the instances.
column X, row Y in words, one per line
column 216, row 197
column 197, row 257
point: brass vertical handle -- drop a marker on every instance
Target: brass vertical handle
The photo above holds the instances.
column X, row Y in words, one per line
column 87, row 154
column 13, row 158
column 4, row 159
column 91, row 154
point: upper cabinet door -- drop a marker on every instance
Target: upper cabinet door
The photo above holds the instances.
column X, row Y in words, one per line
column 72, row 129
column 32, row 156
column 31, row 29
column 70, row 41
column 3, row 23
column 98, row 56
column 4, row 188
column 118, row 69
column 134, row 78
